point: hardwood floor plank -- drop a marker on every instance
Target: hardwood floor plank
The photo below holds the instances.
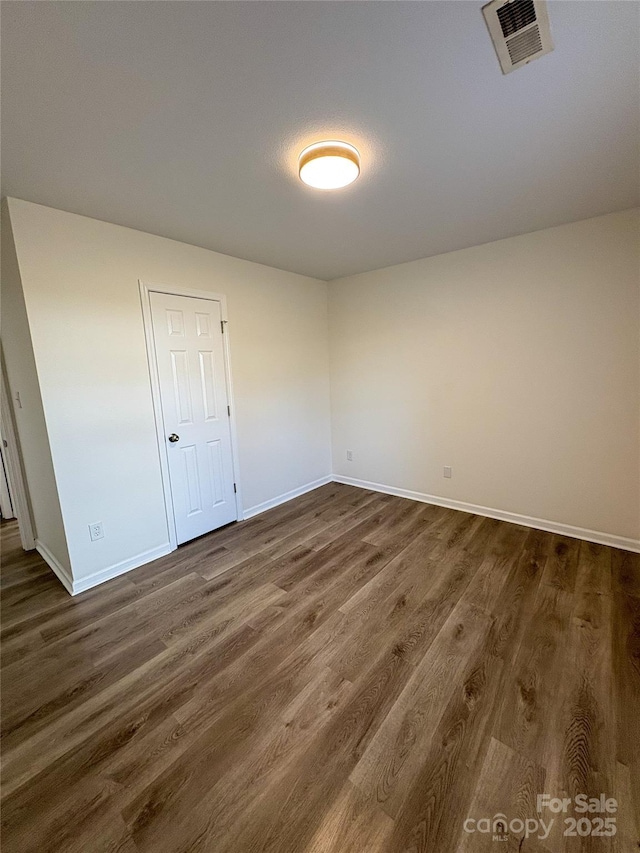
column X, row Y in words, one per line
column 301, row 631
column 288, row 816
column 562, row 566
column 58, row 661
column 508, row 785
column 353, row 823
column 627, row 816
column 626, row 662
column 249, row 734
column 400, row 522
column 114, row 732
column 538, row 674
column 180, row 668
column 625, row 571
column 43, row 707
column 580, row 755
column 514, row 603
column 405, row 611
column 373, row 506
column 438, row 801
column 394, row 758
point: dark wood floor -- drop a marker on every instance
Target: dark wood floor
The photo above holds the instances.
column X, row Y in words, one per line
column 347, row 673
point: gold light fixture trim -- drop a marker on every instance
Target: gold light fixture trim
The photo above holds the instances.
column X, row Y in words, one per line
column 329, row 165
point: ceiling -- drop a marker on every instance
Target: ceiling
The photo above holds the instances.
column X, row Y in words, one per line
column 185, row 119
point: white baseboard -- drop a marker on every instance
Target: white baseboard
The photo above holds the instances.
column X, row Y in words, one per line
column 83, row 584
column 61, row 573
column 287, row 496
column 502, row 515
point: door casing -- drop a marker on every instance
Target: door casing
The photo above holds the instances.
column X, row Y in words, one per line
column 146, row 288
column 17, row 480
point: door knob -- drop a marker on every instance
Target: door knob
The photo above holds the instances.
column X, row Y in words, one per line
column 173, row 437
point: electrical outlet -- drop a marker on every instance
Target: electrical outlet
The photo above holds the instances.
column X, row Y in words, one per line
column 96, row 531
column 349, row 455
column 447, row 472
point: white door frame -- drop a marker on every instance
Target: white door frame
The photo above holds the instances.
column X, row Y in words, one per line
column 17, row 483
column 146, row 289
column 6, row 506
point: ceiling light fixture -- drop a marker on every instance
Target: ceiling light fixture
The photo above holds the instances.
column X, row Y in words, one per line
column 329, row 165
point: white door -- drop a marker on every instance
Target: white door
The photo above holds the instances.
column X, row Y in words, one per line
column 193, row 391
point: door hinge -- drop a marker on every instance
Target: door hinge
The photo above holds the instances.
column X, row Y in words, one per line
column 235, row 489
column 229, row 410
column 222, row 322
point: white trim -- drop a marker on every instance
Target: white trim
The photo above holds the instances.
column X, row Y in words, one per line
column 6, row 507
column 226, row 343
column 194, row 293
column 502, row 515
column 83, row 584
column 145, row 298
column 61, row 573
column 15, row 474
column 76, row 587
column 287, row 496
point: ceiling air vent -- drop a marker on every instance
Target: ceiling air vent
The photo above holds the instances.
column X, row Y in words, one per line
column 519, row 30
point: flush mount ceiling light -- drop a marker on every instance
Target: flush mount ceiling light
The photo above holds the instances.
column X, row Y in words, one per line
column 329, row 165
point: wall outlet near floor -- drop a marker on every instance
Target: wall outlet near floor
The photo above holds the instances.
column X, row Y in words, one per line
column 447, row 472
column 349, row 455
column 96, row 531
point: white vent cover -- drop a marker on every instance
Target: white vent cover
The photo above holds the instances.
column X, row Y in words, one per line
column 519, row 30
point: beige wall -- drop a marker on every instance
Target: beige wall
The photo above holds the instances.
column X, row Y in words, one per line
column 80, row 280
column 30, row 422
column 517, row 363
